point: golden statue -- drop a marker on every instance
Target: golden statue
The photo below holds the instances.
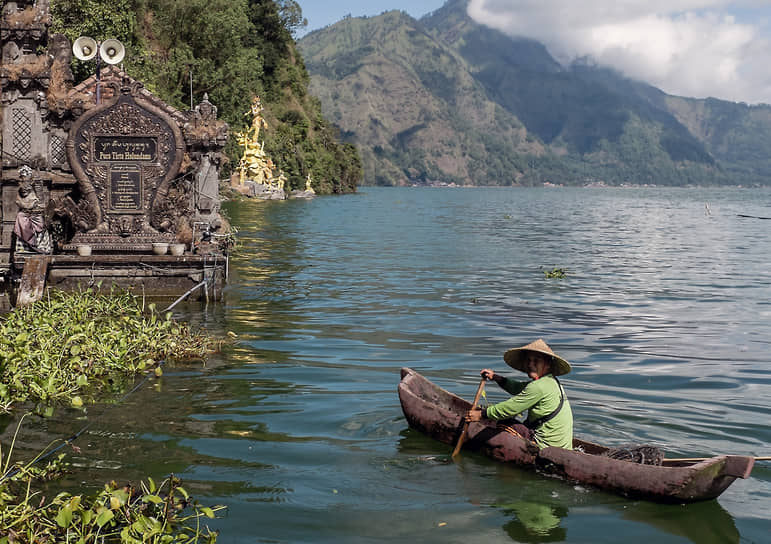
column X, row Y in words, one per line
column 267, row 172
column 308, row 187
column 258, row 120
column 281, row 180
column 254, row 163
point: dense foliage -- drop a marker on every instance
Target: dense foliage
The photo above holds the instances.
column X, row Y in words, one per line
column 151, row 513
column 233, row 49
column 70, row 345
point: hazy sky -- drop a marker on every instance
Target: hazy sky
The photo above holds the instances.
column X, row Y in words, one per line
column 695, row 48
column 321, row 13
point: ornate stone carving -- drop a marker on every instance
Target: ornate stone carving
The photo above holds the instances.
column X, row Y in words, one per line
column 125, row 154
column 206, row 137
column 111, row 169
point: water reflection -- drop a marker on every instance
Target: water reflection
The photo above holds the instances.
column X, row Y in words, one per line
column 538, row 520
column 701, row 523
column 535, row 522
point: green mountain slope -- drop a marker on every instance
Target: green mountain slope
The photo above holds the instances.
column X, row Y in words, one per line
column 737, row 135
column 411, row 105
column 446, row 98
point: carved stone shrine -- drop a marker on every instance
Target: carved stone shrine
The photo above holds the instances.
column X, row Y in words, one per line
column 126, row 156
column 97, row 177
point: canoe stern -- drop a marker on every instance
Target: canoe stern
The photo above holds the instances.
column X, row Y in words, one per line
column 673, row 484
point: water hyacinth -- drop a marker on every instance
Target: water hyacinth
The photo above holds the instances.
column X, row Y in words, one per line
column 558, row 273
column 152, row 513
column 62, row 349
column 65, row 346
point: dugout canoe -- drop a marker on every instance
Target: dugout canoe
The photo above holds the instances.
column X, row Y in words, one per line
column 440, row 414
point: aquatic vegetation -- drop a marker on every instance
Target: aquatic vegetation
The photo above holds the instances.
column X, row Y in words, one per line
column 74, row 345
column 153, row 513
column 68, row 346
column 555, row 273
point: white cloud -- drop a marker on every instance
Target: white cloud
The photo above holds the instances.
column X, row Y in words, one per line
column 693, row 48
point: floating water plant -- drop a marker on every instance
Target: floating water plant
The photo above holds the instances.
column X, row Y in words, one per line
column 150, row 513
column 62, row 349
column 67, row 346
column 558, row 273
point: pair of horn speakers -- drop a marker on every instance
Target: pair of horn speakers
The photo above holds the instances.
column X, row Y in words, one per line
column 111, row 51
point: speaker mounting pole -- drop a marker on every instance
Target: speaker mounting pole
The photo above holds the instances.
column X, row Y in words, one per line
column 110, row 51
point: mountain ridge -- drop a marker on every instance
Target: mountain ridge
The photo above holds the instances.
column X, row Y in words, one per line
column 379, row 79
column 477, row 107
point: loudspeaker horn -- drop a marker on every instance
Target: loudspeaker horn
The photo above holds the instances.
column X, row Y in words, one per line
column 112, row 51
column 85, row 48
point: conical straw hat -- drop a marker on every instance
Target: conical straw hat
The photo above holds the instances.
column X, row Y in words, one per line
column 516, row 357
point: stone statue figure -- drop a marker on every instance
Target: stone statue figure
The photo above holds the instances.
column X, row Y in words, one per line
column 29, row 227
column 206, row 111
column 207, row 130
column 11, row 53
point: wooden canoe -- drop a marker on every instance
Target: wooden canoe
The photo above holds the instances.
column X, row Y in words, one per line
column 439, row 414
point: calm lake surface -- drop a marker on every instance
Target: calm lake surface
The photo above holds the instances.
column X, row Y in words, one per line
column 665, row 314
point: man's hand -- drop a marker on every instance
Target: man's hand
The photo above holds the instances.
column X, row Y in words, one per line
column 474, row 415
column 487, row 374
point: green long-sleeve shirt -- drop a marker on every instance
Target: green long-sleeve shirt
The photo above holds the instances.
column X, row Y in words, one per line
column 540, row 398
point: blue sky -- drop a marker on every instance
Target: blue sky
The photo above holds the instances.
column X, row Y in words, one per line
column 694, row 48
column 321, row 13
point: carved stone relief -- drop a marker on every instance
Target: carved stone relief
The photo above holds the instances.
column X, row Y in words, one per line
column 125, row 155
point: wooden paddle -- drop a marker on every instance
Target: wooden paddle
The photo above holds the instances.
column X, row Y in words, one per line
column 463, row 434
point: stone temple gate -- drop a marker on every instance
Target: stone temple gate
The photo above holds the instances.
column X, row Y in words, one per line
column 101, row 181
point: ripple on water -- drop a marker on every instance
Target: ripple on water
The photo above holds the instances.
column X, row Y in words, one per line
column 298, row 429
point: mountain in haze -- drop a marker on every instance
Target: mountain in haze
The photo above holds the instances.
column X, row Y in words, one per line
column 447, row 99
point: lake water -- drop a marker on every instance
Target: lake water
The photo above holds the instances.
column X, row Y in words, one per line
column 665, row 315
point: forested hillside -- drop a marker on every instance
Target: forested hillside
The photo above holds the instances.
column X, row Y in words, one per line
column 416, row 112
column 447, row 99
column 235, row 49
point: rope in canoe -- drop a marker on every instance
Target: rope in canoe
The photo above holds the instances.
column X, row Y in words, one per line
column 643, row 455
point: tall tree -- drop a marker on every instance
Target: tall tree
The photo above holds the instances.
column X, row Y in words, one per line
column 234, row 49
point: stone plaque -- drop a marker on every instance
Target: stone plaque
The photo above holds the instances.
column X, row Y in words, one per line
column 125, row 154
column 125, row 188
column 125, row 148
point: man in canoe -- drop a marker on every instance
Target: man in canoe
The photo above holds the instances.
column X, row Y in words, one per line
column 549, row 418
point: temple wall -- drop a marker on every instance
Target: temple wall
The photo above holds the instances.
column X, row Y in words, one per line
column 105, row 162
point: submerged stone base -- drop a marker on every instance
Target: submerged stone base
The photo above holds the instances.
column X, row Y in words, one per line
column 162, row 276
column 261, row 191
